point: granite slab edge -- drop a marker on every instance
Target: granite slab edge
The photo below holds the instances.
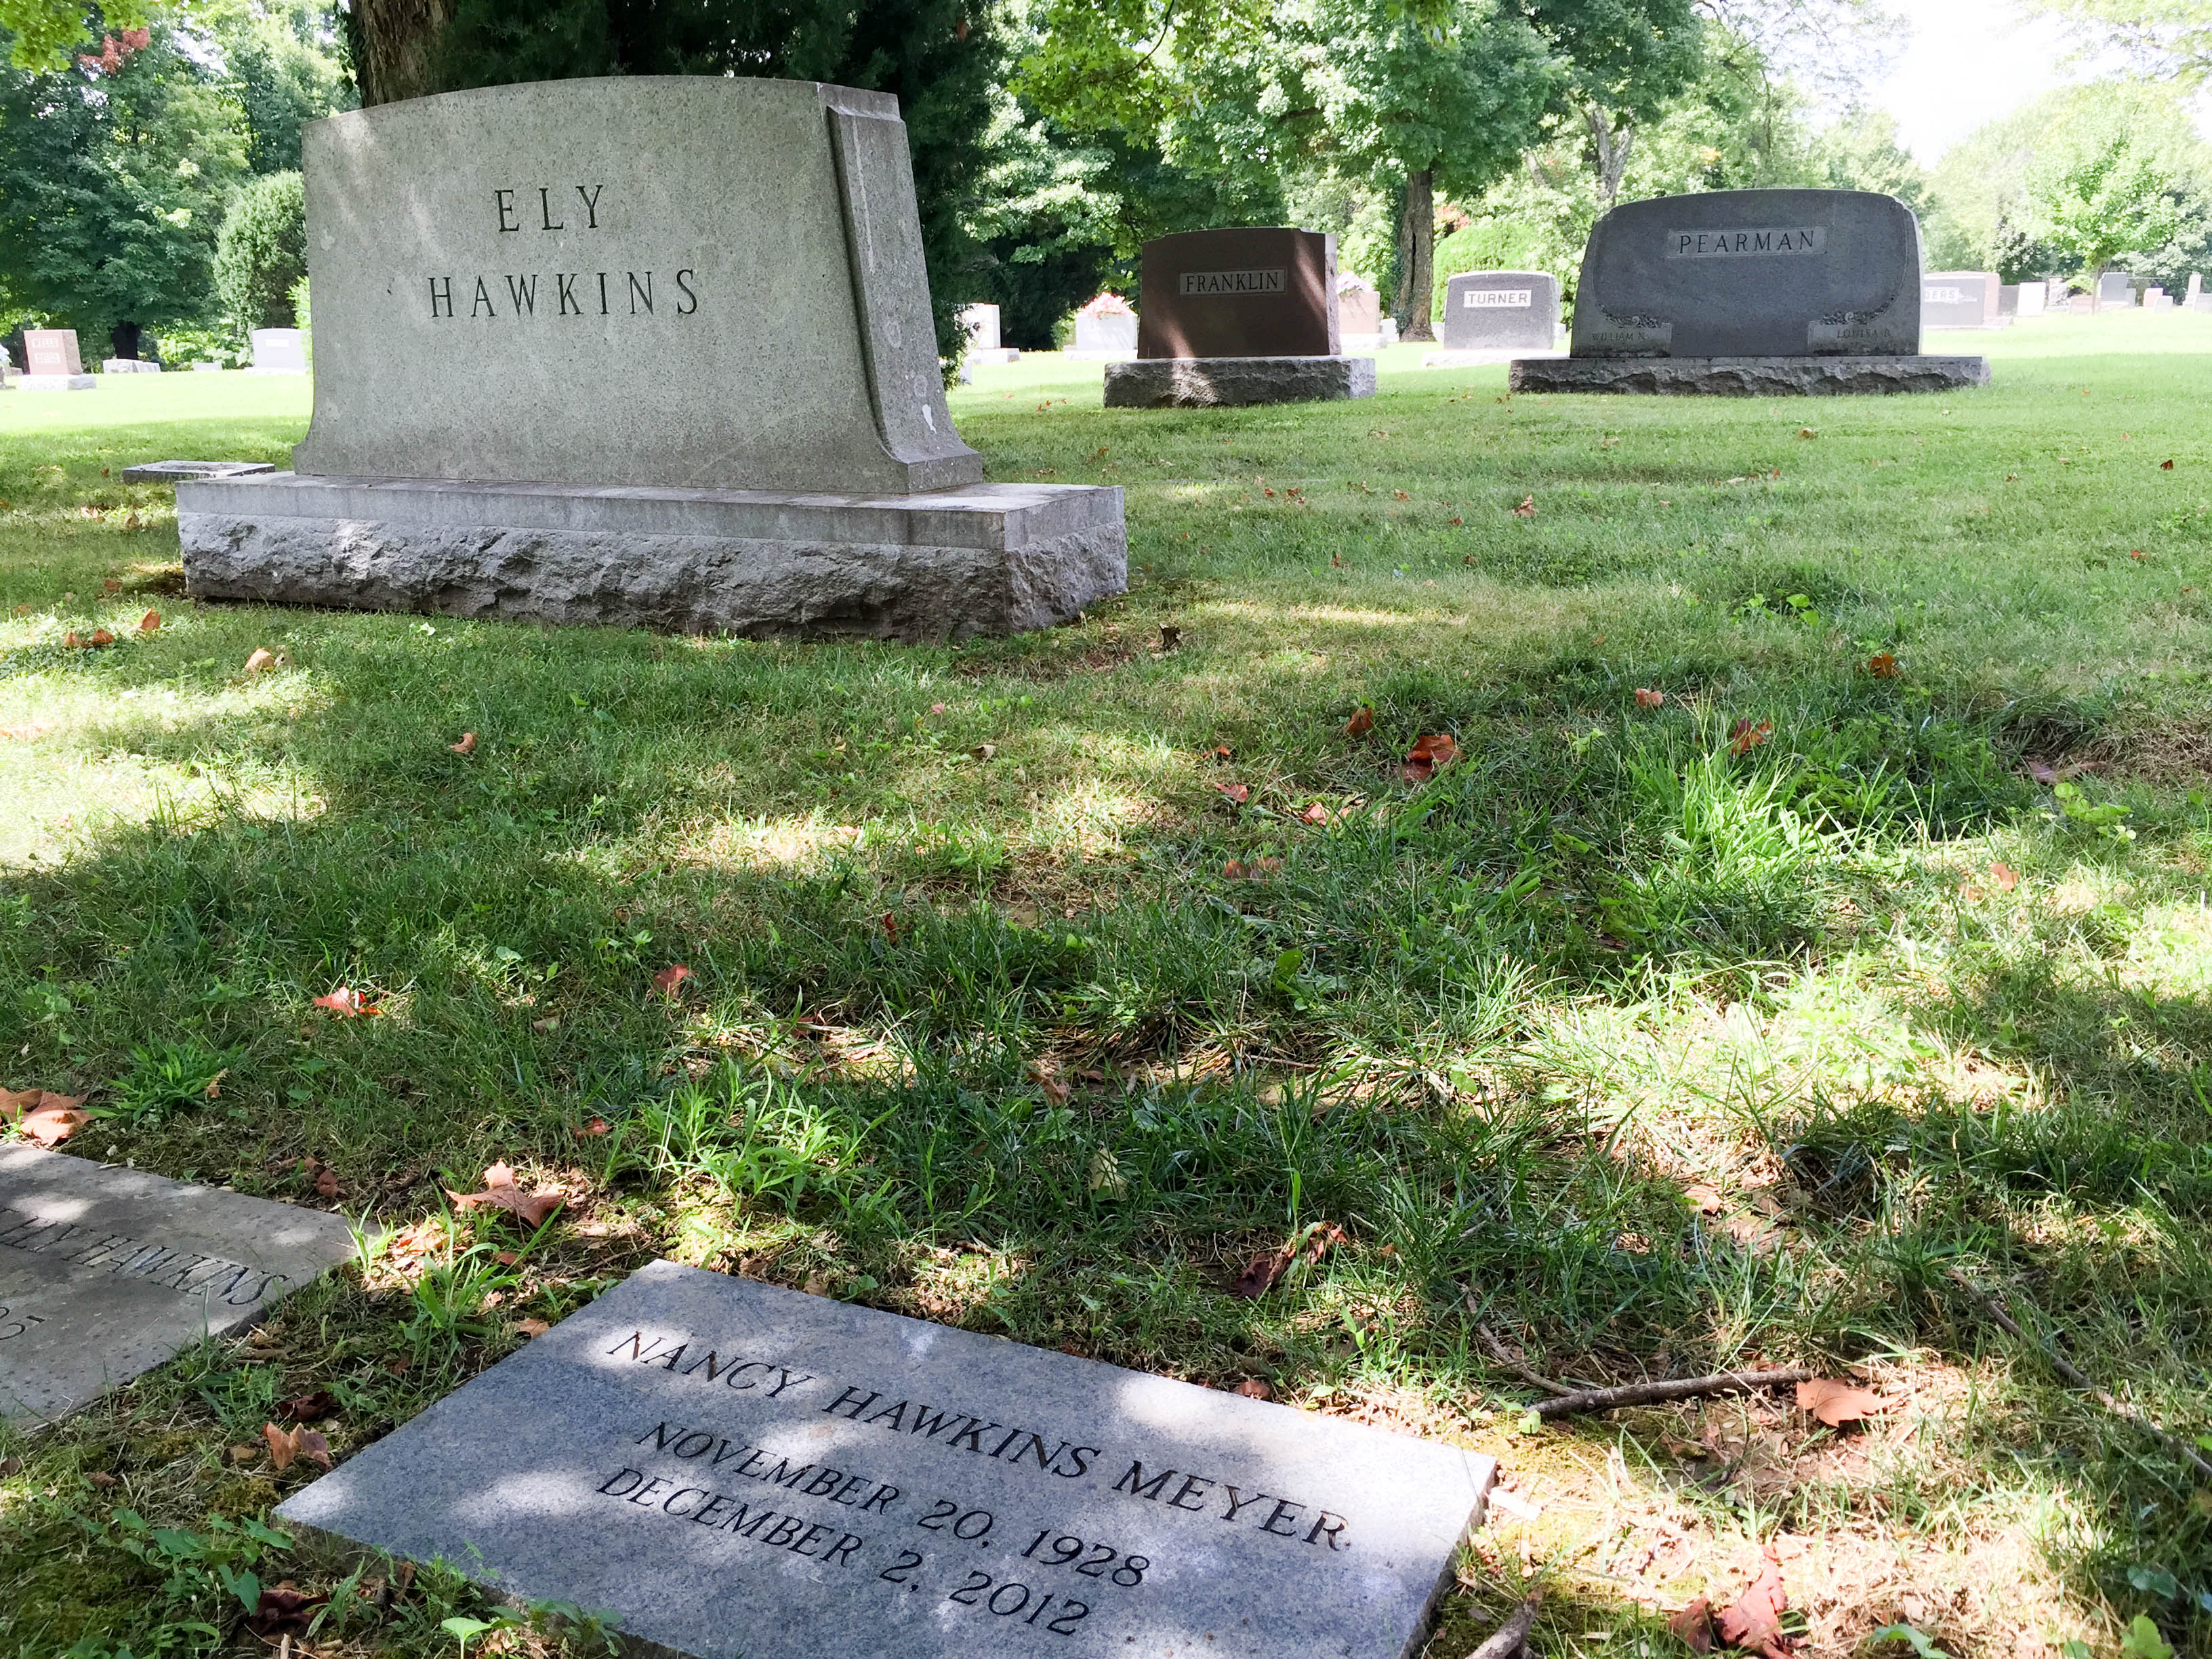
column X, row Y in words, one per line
column 754, row 587
column 1223, row 382
column 1748, row 377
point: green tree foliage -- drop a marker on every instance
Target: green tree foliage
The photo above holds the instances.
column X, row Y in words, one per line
column 284, row 70
column 942, row 59
column 114, row 172
column 2098, row 189
column 1861, row 152
column 261, row 253
column 2171, row 39
column 44, row 35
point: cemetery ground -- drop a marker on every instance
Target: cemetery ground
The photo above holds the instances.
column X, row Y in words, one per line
column 1800, row 948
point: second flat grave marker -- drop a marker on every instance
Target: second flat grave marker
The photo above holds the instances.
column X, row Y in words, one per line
column 728, row 1468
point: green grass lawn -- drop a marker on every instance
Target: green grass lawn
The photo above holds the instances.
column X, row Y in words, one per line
column 1039, row 985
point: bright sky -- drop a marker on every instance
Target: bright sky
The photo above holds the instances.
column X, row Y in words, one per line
column 1967, row 62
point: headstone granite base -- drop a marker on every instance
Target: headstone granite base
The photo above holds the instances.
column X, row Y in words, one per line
column 105, row 1273
column 56, row 382
column 1221, row 382
column 1747, row 377
column 983, row 559
column 171, row 472
column 728, row 1468
column 1478, row 356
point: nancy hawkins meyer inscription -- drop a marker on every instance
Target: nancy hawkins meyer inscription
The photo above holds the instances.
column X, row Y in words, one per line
column 727, row 1468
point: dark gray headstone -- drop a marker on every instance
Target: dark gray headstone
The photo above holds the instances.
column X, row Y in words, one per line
column 2115, row 287
column 730, row 1469
column 107, row 1273
column 1502, row 310
column 1752, row 273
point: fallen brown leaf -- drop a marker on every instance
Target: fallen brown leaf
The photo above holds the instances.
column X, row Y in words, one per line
column 467, row 746
column 2005, row 876
column 1055, row 1089
column 890, row 927
column 1261, row 1273
column 346, row 1003
column 1694, row 1624
column 1744, row 737
column 1253, row 1389
column 263, row 658
column 597, row 1126
column 51, row 1125
column 102, row 1479
column 2166, row 466
column 1883, row 667
column 327, row 1183
column 1837, row 1401
column 284, row 1610
column 529, row 1328
column 213, row 1089
column 1754, row 1620
column 150, row 623
column 1646, row 697
column 1361, row 723
column 669, row 978
column 1706, row 1197
column 502, row 1193
column 25, row 733
column 307, row 1408
column 1428, row 754
column 1526, row 509
column 1235, row 794
column 1317, row 813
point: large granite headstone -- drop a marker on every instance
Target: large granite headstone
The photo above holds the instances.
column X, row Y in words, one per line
column 1750, row 293
column 1242, row 316
column 715, row 407
column 1359, row 314
column 279, row 351
column 982, row 324
column 1502, row 310
column 107, row 1273
column 2115, row 288
column 1959, row 299
column 1105, row 330
column 52, row 362
column 730, row 1469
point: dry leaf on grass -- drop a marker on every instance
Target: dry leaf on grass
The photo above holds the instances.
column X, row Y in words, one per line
column 597, row 1126
column 1647, row 698
column 467, row 746
column 1261, row 1273
column 1428, row 754
column 347, row 1003
column 501, row 1193
column 1526, row 509
column 284, row 1610
column 263, row 658
column 1253, row 1389
column 1836, row 1400
column 1317, row 813
column 1883, row 667
column 150, row 623
column 529, row 1328
column 1706, row 1197
column 1754, row 1620
column 1234, row 793
column 1361, row 723
column 326, row 1182
column 1694, row 1624
column 307, row 1408
column 669, row 978
column 43, row 1115
column 1744, row 737
column 285, row 1445
column 25, row 733
column 2005, row 876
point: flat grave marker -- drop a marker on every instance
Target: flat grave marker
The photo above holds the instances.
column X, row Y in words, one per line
column 727, row 1468
column 107, row 1273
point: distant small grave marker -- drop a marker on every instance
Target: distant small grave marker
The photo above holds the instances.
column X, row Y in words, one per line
column 52, row 362
column 1489, row 311
column 107, row 1273
column 727, row 1467
column 1959, row 299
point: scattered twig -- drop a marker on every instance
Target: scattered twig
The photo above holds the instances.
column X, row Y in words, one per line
column 1504, row 1356
column 1512, row 1637
column 2074, row 1376
column 1688, row 1388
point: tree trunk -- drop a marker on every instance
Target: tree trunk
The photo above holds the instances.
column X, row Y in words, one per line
column 1417, row 240
column 1612, row 145
column 395, row 46
column 124, row 339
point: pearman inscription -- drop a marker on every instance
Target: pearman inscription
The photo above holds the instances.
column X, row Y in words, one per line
column 1232, row 281
column 1744, row 244
column 699, row 1457
column 1478, row 299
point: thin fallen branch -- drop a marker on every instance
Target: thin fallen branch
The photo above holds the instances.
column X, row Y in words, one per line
column 1504, row 1356
column 1512, row 1636
column 2074, row 1376
column 1688, row 1388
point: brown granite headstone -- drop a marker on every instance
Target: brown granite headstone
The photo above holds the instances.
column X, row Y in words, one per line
column 1252, row 293
column 51, row 352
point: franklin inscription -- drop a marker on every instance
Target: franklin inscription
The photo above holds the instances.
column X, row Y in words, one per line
column 1232, row 281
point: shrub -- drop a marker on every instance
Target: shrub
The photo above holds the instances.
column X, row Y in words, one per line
column 262, row 252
